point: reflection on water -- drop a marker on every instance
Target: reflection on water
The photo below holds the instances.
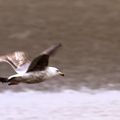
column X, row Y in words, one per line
column 90, row 105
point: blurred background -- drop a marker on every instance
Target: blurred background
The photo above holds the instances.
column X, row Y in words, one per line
column 88, row 30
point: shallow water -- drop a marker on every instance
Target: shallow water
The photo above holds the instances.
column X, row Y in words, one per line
column 82, row 105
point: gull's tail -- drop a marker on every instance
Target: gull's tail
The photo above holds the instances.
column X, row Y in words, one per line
column 3, row 80
column 8, row 81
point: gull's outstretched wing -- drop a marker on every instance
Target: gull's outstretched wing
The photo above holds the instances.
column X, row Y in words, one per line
column 18, row 60
column 41, row 62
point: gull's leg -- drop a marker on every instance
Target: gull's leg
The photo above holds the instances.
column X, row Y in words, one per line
column 13, row 83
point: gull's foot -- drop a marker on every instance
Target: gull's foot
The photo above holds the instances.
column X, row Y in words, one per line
column 13, row 83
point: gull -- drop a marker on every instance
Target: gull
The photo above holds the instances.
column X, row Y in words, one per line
column 30, row 72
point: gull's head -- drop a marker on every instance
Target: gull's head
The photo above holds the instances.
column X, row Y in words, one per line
column 52, row 71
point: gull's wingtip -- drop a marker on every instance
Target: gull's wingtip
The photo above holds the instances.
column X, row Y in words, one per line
column 51, row 50
column 54, row 46
column 58, row 44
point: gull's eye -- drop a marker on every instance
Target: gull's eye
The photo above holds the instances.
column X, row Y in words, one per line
column 57, row 70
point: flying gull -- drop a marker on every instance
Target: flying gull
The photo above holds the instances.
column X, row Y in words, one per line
column 30, row 72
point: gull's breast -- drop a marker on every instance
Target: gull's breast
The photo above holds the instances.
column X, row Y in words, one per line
column 33, row 77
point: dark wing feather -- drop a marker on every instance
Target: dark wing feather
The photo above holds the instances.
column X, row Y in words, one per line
column 52, row 50
column 41, row 62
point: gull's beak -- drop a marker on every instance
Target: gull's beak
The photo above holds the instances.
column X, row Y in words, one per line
column 60, row 73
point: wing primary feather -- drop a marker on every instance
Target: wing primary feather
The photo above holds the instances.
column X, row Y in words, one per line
column 51, row 50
